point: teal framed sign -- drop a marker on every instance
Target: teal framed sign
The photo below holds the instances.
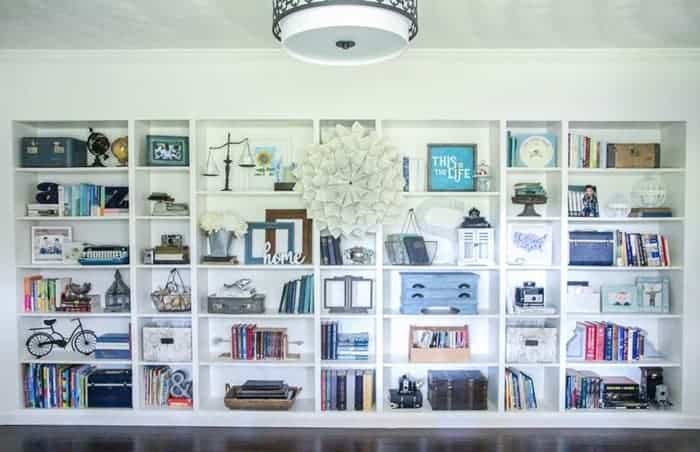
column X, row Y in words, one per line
column 451, row 167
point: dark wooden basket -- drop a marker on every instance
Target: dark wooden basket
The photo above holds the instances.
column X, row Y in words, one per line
column 234, row 403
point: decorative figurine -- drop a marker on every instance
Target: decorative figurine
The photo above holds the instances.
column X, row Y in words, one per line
column 474, row 220
column 118, row 295
column 359, row 255
column 120, row 150
column 246, row 160
column 483, row 177
column 98, row 145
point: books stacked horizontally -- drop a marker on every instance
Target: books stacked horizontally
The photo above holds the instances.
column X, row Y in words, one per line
column 250, row 343
column 582, row 389
column 298, row 296
column 56, row 386
column 43, row 294
column 113, row 346
column 347, row 390
column 642, row 250
column 264, row 389
column 79, row 200
column 585, row 152
column 331, row 253
column 606, row 341
column 520, row 391
column 343, row 346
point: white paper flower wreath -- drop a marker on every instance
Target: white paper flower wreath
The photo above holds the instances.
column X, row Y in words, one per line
column 351, row 183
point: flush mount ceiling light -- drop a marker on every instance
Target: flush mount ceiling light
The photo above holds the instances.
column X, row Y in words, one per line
column 344, row 32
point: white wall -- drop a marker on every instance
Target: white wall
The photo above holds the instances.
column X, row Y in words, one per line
column 596, row 85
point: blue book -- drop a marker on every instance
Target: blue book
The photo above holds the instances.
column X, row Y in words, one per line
column 620, row 344
column 112, row 354
column 113, row 338
column 607, row 350
column 332, row 258
column 302, row 296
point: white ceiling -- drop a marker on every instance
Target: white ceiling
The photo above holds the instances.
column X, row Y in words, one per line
column 175, row 24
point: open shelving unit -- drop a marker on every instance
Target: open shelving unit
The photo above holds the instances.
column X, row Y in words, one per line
column 388, row 329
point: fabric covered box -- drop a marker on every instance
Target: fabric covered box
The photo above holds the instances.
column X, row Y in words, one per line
column 457, row 390
column 425, row 293
column 167, row 344
column 531, row 345
column 53, row 152
column 109, row 388
column 596, row 248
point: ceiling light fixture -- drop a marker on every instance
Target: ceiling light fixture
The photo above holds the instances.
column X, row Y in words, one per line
column 344, row 32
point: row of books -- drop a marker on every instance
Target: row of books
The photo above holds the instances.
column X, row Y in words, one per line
column 156, row 380
column 642, row 250
column 585, row 152
column 250, row 343
column 331, row 253
column 440, row 339
column 347, row 390
column 44, row 294
column 55, row 386
column 582, row 389
column 606, row 341
column 298, row 296
column 81, row 200
column 520, row 391
column 343, row 346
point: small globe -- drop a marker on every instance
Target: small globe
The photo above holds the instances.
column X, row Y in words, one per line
column 120, row 150
column 650, row 192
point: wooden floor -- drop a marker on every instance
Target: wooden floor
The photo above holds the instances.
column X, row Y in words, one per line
column 91, row 439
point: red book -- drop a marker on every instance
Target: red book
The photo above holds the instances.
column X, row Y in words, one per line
column 590, row 341
column 180, row 402
column 600, row 341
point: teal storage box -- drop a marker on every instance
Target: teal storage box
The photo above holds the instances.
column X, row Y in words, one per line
column 53, row 152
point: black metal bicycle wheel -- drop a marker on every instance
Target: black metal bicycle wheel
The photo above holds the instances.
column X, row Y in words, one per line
column 85, row 342
column 39, row 344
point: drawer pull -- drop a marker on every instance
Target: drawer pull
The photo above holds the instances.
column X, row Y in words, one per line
column 418, row 286
column 464, row 295
column 417, row 295
column 464, row 286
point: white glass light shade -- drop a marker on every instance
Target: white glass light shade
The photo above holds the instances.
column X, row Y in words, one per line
column 318, row 35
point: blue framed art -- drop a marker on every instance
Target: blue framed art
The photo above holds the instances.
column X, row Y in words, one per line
column 451, row 167
column 255, row 240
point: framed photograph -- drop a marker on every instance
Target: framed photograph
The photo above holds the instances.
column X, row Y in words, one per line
column 529, row 244
column 168, row 150
column 48, row 243
column 303, row 230
column 583, row 201
column 654, row 294
column 621, row 298
column 451, row 167
column 257, row 246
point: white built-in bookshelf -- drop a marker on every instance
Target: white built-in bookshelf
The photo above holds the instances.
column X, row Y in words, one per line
column 387, row 327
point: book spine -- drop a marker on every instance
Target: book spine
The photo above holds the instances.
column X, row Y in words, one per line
column 607, row 351
column 359, row 391
column 600, row 341
column 342, row 382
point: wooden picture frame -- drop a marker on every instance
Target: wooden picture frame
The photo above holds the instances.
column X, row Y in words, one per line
column 260, row 227
column 305, row 232
column 441, row 176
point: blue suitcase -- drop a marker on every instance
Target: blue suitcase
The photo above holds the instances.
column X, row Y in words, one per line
column 53, row 152
column 109, row 388
column 594, row 248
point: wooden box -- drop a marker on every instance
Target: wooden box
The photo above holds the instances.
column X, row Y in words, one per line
column 634, row 155
column 438, row 355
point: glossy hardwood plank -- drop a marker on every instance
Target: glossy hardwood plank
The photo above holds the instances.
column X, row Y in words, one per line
column 146, row 439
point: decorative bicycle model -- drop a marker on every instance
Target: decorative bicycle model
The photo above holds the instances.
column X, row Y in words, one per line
column 41, row 343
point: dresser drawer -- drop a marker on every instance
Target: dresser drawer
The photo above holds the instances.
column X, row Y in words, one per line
column 458, row 281
column 417, row 295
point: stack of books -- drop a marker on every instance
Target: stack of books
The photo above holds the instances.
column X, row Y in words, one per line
column 582, row 389
column 264, row 389
column 43, row 294
column 250, row 343
column 113, row 346
column 347, row 390
column 56, row 386
column 585, row 152
column 606, row 341
column 343, row 346
column 331, row 253
column 298, row 296
column 520, row 391
column 642, row 250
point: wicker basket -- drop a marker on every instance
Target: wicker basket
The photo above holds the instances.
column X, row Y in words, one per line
column 233, row 403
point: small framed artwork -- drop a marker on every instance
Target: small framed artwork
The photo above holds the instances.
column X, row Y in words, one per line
column 451, row 167
column 654, row 294
column 529, row 244
column 583, row 201
column 258, row 250
column 48, row 244
column 621, row 298
column 268, row 155
column 168, row 150
column 303, row 230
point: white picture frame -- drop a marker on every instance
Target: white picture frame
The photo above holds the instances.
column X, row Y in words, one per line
column 48, row 243
column 529, row 244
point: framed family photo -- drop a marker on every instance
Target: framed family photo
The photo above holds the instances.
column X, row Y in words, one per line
column 48, row 244
column 451, row 167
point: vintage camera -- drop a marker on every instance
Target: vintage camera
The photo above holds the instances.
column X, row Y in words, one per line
column 407, row 395
column 529, row 295
column 175, row 240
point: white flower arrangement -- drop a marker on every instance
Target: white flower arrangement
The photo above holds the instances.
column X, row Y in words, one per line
column 210, row 222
